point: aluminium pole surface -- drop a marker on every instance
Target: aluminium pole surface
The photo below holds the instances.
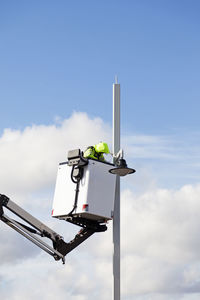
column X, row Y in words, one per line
column 116, row 217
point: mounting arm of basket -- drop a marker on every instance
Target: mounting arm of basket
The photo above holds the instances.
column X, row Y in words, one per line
column 60, row 248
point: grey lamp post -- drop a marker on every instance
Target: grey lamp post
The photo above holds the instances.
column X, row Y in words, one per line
column 121, row 169
column 116, row 217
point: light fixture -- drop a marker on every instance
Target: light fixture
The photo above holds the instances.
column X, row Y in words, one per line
column 122, row 168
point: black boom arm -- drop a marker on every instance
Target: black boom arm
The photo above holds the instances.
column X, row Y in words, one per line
column 60, row 247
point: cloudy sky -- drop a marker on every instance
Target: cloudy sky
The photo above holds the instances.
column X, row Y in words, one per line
column 57, row 65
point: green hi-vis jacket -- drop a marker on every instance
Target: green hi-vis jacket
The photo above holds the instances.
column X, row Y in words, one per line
column 92, row 153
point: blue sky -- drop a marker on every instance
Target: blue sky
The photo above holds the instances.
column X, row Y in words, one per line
column 58, row 62
column 57, row 57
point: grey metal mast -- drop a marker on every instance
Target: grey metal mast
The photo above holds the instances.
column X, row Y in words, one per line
column 116, row 218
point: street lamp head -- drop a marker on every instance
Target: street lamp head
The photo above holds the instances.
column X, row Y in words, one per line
column 122, row 168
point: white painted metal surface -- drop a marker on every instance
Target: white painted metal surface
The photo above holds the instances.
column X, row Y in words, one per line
column 96, row 192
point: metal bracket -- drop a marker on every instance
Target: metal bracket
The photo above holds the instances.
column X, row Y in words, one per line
column 86, row 223
column 116, row 157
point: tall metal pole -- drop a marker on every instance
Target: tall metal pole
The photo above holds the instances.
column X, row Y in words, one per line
column 116, row 218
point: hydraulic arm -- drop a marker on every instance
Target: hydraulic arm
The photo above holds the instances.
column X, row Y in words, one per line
column 38, row 230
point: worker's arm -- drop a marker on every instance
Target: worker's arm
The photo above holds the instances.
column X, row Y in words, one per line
column 90, row 153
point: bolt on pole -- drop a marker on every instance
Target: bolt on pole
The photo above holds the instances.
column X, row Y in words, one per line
column 116, row 217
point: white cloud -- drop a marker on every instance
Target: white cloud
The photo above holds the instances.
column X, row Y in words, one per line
column 159, row 233
column 177, row 146
column 171, row 160
column 161, row 241
column 29, row 158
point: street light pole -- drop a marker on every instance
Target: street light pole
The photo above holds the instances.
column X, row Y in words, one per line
column 116, row 217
